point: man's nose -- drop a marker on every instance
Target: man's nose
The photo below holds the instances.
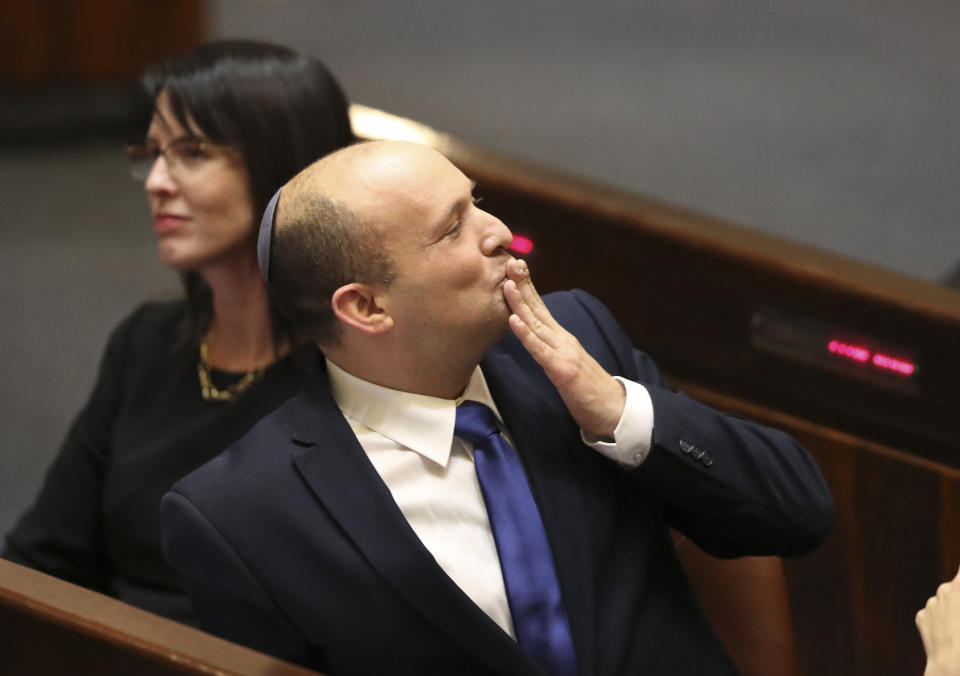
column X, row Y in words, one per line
column 497, row 239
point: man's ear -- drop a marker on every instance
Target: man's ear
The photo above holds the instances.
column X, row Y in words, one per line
column 356, row 305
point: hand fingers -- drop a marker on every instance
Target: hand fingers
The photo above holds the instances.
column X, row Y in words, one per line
column 525, row 302
column 514, row 297
column 534, row 335
column 538, row 349
column 519, row 273
column 538, row 338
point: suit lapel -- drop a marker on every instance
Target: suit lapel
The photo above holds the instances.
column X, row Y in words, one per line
column 337, row 470
column 541, row 427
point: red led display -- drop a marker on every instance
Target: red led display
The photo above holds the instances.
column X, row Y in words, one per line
column 898, row 365
column 862, row 354
column 854, row 352
column 521, row 244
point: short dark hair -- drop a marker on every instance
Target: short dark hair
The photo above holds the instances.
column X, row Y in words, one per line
column 319, row 245
column 279, row 109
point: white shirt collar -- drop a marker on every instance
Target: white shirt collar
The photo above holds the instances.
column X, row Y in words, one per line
column 418, row 422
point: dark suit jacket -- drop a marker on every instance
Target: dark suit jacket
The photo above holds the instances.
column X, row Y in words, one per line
column 289, row 542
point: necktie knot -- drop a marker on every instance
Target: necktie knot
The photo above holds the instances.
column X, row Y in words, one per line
column 475, row 422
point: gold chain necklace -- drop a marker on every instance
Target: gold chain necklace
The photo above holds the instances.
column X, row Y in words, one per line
column 211, row 393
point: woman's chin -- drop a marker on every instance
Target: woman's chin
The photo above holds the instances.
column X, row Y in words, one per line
column 176, row 259
column 182, row 259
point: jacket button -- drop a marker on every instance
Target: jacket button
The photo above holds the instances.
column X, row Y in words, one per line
column 686, row 446
column 696, row 453
column 707, row 459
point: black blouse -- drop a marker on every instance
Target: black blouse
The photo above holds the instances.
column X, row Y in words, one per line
column 96, row 520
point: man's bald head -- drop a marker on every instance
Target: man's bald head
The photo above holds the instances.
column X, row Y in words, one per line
column 322, row 241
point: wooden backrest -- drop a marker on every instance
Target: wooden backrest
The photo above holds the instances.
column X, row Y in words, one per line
column 895, row 538
column 48, row 626
column 747, row 602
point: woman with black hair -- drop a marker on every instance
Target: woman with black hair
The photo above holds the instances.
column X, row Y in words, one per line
column 179, row 381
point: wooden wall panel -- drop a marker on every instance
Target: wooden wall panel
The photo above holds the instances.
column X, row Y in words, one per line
column 895, row 538
column 949, row 527
column 74, row 41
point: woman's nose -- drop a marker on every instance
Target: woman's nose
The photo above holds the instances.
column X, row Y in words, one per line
column 159, row 178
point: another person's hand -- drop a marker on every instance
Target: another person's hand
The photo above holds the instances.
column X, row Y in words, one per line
column 939, row 625
column 593, row 397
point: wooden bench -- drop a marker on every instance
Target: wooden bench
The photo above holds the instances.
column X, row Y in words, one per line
column 48, row 626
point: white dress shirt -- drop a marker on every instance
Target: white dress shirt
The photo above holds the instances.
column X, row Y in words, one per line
column 430, row 473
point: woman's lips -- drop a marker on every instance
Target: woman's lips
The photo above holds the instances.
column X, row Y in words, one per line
column 164, row 223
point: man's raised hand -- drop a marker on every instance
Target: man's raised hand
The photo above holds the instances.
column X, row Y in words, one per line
column 593, row 397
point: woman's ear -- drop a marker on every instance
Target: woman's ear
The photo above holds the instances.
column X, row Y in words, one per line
column 356, row 306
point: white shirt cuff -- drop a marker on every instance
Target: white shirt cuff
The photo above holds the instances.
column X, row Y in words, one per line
column 633, row 433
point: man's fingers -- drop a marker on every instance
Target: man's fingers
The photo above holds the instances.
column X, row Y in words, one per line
column 525, row 303
column 519, row 305
column 533, row 344
column 549, row 332
column 519, row 273
column 594, row 398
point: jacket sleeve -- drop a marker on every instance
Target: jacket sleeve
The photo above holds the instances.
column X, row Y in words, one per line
column 732, row 486
column 229, row 599
column 62, row 533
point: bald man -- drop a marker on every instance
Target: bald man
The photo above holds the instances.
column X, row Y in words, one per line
column 367, row 527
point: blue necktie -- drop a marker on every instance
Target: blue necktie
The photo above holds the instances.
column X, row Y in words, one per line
column 533, row 591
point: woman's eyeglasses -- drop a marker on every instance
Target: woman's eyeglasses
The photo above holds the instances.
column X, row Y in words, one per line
column 184, row 156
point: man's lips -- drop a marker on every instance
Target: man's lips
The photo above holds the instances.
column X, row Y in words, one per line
column 164, row 222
